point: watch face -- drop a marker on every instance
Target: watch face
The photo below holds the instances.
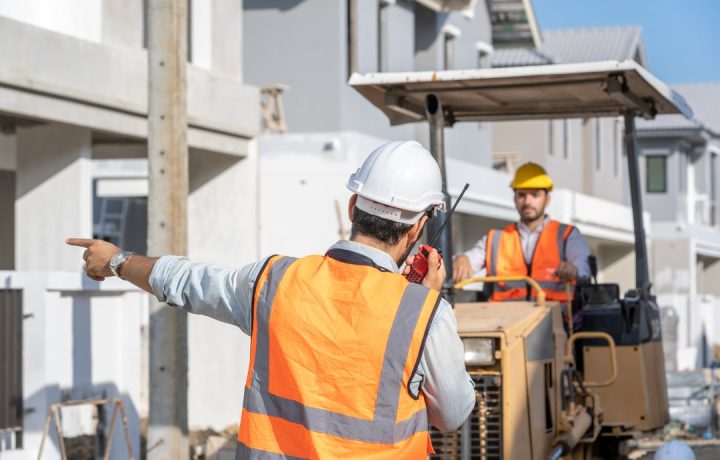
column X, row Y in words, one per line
column 115, row 260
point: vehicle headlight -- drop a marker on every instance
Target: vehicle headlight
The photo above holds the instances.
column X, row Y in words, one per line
column 479, row 352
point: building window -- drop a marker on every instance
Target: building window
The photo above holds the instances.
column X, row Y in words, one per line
column 11, row 395
column 120, row 213
column 484, row 51
column 598, row 144
column 682, row 162
column 382, row 22
column 350, row 8
column 566, row 139
column 617, row 147
column 656, row 169
column 449, row 51
column 450, row 33
column 713, row 189
column 551, row 137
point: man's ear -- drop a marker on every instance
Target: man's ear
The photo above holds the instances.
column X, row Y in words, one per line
column 351, row 207
column 547, row 198
column 417, row 228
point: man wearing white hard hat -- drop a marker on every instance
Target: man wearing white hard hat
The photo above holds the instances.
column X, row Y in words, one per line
column 348, row 359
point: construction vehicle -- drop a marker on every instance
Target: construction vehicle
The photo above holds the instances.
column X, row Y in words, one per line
column 543, row 389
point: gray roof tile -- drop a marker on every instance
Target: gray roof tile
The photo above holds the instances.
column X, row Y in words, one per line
column 704, row 98
column 578, row 45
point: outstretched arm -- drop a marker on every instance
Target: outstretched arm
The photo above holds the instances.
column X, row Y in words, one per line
column 136, row 269
column 220, row 293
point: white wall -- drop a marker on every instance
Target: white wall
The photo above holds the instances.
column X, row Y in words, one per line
column 81, row 340
column 222, row 220
column 79, row 18
column 303, row 187
column 54, row 196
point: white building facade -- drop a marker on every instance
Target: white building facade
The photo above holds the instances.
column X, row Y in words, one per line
column 73, row 162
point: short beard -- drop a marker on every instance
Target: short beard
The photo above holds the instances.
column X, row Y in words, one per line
column 404, row 256
column 537, row 216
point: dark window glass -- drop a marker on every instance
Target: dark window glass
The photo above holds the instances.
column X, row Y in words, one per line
column 656, row 173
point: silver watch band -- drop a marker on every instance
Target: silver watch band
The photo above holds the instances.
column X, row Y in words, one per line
column 117, row 261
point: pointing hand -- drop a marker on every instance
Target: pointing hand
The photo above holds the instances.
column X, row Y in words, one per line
column 97, row 256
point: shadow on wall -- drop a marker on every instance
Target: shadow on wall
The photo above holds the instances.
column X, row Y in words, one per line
column 282, row 5
column 38, row 404
column 205, row 166
column 37, row 164
column 427, row 23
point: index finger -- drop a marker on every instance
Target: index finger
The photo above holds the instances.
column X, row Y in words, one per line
column 82, row 242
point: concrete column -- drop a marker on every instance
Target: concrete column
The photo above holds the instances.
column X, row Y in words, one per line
column 222, row 207
column 53, row 196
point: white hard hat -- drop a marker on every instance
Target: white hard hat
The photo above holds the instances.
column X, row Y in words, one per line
column 398, row 181
column 674, row 450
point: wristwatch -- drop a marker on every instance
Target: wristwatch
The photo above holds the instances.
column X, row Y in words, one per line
column 117, row 260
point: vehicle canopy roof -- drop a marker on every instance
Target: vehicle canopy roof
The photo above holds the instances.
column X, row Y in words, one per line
column 591, row 89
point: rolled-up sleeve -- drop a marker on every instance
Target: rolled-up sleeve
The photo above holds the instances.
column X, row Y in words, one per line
column 210, row 290
column 448, row 389
column 578, row 251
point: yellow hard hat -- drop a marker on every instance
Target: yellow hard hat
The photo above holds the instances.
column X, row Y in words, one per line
column 531, row 175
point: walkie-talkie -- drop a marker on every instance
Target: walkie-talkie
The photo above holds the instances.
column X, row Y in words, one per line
column 419, row 267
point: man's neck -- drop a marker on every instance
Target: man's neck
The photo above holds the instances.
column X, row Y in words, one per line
column 392, row 251
column 532, row 225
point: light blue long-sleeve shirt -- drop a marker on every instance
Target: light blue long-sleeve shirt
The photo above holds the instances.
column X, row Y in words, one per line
column 225, row 294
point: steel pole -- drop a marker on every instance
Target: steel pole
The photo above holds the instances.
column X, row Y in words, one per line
column 167, row 222
column 465, row 439
column 642, row 277
column 436, row 120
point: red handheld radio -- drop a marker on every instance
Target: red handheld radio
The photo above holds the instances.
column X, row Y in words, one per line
column 419, row 267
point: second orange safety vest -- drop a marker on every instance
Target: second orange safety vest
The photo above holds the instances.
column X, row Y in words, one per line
column 504, row 257
column 335, row 341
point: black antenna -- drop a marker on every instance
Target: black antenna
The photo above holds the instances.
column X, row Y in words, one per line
column 449, row 215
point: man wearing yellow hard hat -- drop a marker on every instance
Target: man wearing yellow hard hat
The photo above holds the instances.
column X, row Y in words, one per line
column 548, row 251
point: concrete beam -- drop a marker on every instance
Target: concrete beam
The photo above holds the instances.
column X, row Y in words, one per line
column 39, row 80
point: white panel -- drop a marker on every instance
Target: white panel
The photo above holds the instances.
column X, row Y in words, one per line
column 122, row 187
column 201, row 33
column 54, row 188
column 79, row 18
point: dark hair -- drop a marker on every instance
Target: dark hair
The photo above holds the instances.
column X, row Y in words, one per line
column 383, row 230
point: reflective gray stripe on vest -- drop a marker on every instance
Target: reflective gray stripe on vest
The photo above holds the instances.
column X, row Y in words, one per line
column 497, row 234
column 561, row 242
column 382, row 428
column 267, row 297
column 243, row 452
column 552, row 285
column 508, row 285
column 546, row 285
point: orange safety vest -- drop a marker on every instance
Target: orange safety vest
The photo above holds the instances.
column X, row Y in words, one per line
column 504, row 257
column 335, row 341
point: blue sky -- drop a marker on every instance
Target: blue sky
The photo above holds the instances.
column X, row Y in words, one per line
column 682, row 37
